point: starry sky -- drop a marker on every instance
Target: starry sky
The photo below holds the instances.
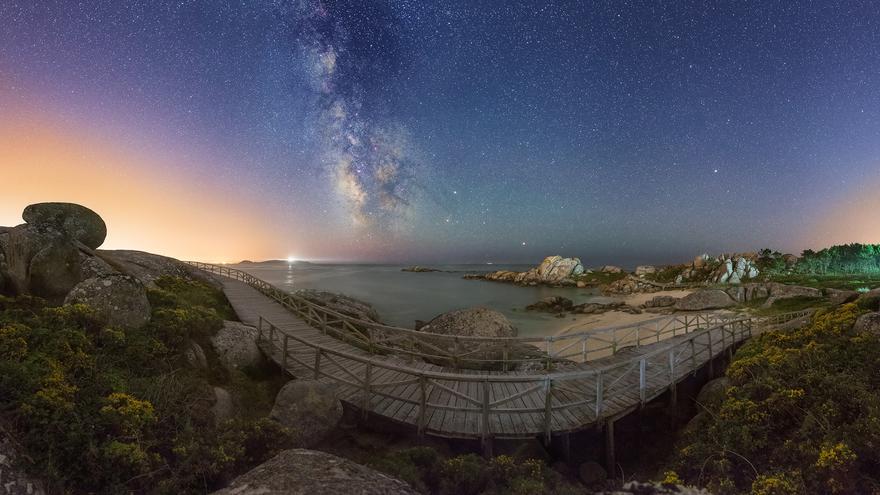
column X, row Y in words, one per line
column 456, row 131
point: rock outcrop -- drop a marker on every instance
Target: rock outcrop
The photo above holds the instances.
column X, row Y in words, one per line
column 632, row 285
column 419, row 269
column 782, row 291
column 868, row 323
column 309, row 472
column 705, row 299
column 643, row 270
column 479, row 322
column 554, row 270
column 661, row 302
column 309, row 408
column 838, row 297
column 148, row 267
column 236, row 345
column 120, row 299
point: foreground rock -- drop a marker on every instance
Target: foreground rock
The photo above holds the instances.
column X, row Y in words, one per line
column 705, row 299
column 308, row 472
column 13, row 480
column 554, row 270
column 120, row 299
column 640, row 488
column 838, row 297
column 869, row 323
column 148, row 267
column 309, row 408
column 236, row 345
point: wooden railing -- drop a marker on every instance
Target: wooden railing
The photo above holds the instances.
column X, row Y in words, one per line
column 472, row 351
column 502, row 353
column 598, row 390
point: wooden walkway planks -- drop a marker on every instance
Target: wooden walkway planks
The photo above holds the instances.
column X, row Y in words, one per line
column 455, row 401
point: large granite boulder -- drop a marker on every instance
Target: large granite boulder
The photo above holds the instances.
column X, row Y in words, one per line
column 780, row 291
column 309, row 408
column 309, row 472
column 838, row 297
column 479, row 321
column 120, row 299
column 148, row 267
column 236, row 345
column 705, row 299
column 869, row 323
column 554, row 270
column 75, row 221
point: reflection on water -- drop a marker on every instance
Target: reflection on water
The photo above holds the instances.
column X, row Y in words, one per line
column 403, row 297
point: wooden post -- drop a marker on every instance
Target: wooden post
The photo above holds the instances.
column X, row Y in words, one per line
column 284, row 354
column 505, row 355
column 486, row 438
column 584, row 349
column 549, row 345
column 423, row 405
column 642, row 382
column 260, row 329
column 317, row 363
column 693, row 357
column 610, row 461
column 548, row 409
column 672, row 387
column 600, row 392
column 366, row 399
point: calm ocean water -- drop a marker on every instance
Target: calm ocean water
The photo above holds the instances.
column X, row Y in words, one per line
column 403, row 297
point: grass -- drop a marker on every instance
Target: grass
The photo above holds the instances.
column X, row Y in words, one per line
column 789, row 305
column 838, row 281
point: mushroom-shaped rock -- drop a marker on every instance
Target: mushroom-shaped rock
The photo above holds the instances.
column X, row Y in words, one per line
column 309, row 408
column 236, row 345
column 479, row 321
column 76, row 221
column 120, row 299
column 705, row 299
column 309, row 472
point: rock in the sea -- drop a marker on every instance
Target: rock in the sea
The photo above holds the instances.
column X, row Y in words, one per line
column 309, row 472
column 554, row 270
column 552, row 304
column 479, row 321
column 592, row 473
column 339, row 303
column 705, row 299
column 77, row 222
column 309, row 408
column 13, row 479
column 236, row 345
column 869, row 323
column 120, row 299
column 419, row 269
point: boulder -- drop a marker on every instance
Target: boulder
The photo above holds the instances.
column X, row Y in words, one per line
column 554, row 270
column 868, row 323
column 552, row 304
column 195, row 356
column 339, row 303
column 13, row 479
column 148, row 267
column 309, row 472
column 713, row 392
column 780, row 291
column 705, row 299
column 120, row 299
column 77, row 222
column 309, row 408
column 236, row 345
column 222, row 409
column 661, row 302
column 838, row 297
column 592, row 473
column 479, row 321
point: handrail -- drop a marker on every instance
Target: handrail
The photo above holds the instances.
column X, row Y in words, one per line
column 590, row 387
column 456, row 351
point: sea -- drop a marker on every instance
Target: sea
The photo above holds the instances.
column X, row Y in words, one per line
column 403, row 297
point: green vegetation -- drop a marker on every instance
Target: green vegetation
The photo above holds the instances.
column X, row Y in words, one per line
column 107, row 410
column 788, row 305
column 469, row 474
column 843, row 259
column 802, row 416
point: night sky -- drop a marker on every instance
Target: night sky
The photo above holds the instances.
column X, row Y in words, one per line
column 466, row 131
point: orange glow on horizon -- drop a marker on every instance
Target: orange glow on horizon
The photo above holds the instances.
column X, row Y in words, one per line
column 166, row 213
column 856, row 219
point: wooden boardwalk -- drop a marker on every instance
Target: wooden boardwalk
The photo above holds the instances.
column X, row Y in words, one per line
column 443, row 400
